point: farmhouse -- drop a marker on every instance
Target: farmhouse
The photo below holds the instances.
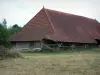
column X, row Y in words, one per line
column 50, row 27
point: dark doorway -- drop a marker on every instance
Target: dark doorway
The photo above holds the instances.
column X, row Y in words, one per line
column 98, row 41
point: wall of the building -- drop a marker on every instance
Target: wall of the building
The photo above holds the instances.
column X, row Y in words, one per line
column 46, row 44
column 37, row 44
column 49, row 44
column 26, row 45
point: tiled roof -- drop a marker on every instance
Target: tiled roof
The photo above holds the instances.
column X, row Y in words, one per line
column 59, row 26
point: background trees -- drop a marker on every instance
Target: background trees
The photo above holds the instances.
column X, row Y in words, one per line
column 14, row 29
column 6, row 33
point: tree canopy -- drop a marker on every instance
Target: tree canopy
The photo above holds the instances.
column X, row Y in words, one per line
column 6, row 33
column 14, row 29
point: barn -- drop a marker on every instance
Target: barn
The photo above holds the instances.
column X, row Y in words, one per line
column 54, row 28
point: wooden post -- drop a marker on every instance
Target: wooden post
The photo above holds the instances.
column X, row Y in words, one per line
column 42, row 46
column 86, row 46
column 59, row 45
column 73, row 46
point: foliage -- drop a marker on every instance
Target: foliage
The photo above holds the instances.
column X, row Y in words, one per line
column 14, row 29
column 4, row 36
column 6, row 33
column 4, row 23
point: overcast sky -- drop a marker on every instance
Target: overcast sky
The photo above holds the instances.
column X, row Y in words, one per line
column 21, row 11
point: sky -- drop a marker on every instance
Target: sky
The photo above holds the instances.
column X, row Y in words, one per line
column 21, row 11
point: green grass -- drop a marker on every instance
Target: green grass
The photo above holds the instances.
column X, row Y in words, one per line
column 86, row 62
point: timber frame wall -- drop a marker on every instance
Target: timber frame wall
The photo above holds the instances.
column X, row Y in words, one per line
column 46, row 44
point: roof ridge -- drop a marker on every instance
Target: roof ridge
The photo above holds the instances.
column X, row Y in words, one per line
column 70, row 14
column 49, row 19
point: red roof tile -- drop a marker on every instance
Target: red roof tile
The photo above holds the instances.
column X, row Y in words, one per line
column 59, row 26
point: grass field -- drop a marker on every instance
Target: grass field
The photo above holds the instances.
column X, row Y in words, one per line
column 69, row 63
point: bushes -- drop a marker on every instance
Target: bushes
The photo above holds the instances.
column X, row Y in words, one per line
column 6, row 53
column 3, row 51
column 13, row 54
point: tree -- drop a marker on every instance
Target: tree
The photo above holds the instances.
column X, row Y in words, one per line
column 14, row 29
column 4, row 36
column 4, row 23
column 5, row 33
column 16, row 26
